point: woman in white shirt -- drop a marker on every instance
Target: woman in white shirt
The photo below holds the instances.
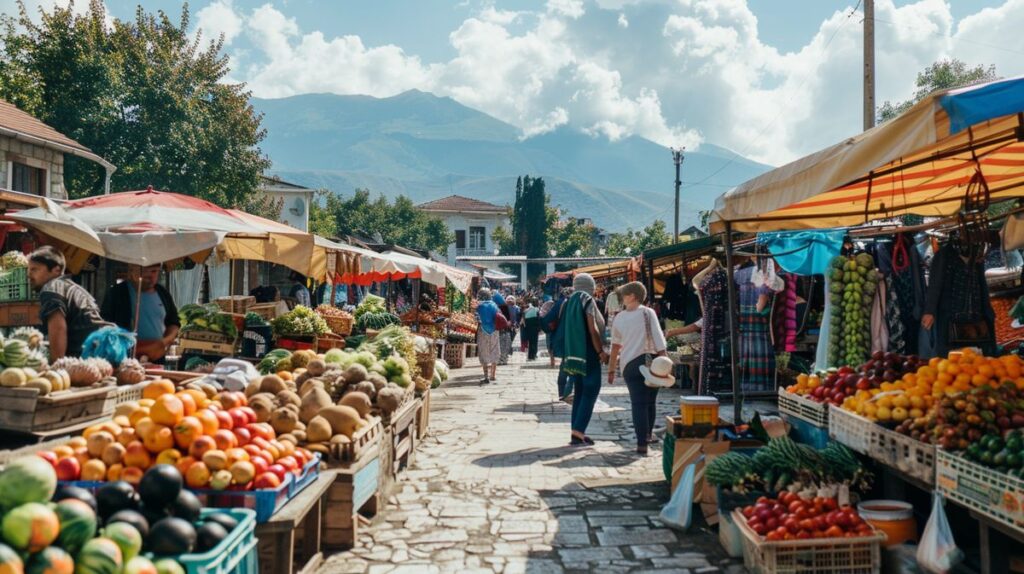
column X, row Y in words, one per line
column 636, row 335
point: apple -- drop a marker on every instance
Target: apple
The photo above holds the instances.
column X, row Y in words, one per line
column 250, row 414
column 225, row 439
column 278, row 470
column 225, row 420
column 68, row 468
column 261, row 430
column 290, row 463
column 239, row 418
column 253, row 450
column 49, row 456
column 200, row 446
column 266, row 481
column 260, row 464
column 132, row 475
column 242, row 435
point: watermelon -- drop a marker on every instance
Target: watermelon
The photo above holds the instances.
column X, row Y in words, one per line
column 139, row 565
column 10, row 562
column 126, row 537
column 99, row 556
column 77, row 524
column 27, row 479
column 168, row 566
column 50, row 560
column 31, row 527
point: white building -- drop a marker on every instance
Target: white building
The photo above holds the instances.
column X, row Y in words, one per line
column 295, row 200
column 472, row 221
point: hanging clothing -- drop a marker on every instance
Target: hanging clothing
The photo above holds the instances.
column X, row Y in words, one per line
column 674, row 297
column 714, row 335
column 784, row 324
column 757, row 355
column 804, row 252
column 908, row 285
column 821, row 358
column 957, row 293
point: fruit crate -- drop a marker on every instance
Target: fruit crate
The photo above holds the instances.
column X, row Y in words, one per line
column 911, row 457
column 296, row 342
column 266, row 310
column 862, row 555
column 264, row 502
column 236, row 554
column 14, row 285
column 803, row 408
column 25, row 410
column 362, row 441
column 206, row 343
column 339, row 325
column 329, row 341
column 455, row 355
column 128, row 393
column 984, row 490
column 235, row 303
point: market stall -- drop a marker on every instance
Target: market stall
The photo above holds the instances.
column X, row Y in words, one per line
column 949, row 420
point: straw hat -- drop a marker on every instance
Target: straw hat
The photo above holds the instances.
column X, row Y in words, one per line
column 659, row 374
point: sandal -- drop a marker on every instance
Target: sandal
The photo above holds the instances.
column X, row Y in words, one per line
column 641, row 449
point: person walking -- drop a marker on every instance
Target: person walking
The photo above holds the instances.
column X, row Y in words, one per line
column 514, row 317
column 488, row 345
column 555, row 337
column 582, row 354
column 637, row 339
column 531, row 329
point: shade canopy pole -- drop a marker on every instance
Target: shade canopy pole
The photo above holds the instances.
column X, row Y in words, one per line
column 737, row 398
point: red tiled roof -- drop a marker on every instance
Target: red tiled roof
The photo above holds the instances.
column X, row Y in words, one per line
column 14, row 119
column 460, row 203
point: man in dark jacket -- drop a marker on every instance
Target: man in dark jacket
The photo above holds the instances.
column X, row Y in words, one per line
column 158, row 322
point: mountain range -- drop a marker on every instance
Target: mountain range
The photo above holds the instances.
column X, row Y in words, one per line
column 427, row 147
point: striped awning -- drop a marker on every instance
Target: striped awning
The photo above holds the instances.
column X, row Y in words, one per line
column 923, row 162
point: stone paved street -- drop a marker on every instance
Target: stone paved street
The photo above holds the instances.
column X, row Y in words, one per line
column 495, row 488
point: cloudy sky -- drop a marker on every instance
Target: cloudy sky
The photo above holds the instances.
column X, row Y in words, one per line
column 769, row 79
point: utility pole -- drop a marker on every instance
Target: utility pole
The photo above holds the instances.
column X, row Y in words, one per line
column 869, row 64
column 677, row 158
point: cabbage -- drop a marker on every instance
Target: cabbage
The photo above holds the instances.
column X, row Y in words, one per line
column 421, row 345
column 441, row 367
column 335, row 356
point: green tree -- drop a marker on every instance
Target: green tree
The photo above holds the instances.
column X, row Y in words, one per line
column 399, row 223
column 528, row 217
column 637, row 241
column 321, row 214
column 504, row 240
column 142, row 93
column 572, row 237
column 941, row 75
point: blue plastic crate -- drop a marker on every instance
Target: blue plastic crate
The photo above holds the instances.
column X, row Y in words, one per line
column 804, row 432
column 14, row 285
column 264, row 502
column 236, row 554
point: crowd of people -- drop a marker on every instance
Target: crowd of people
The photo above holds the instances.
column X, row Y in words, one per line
column 584, row 330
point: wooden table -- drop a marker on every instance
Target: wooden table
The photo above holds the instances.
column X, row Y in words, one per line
column 355, row 496
column 277, row 537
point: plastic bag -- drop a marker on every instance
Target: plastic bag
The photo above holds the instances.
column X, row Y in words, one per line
column 678, row 513
column 937, row 551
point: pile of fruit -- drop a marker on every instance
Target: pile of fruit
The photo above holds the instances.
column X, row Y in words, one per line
column 961, row 420
column 792, row 517
column 1003, row 453
column 331, row 312
column 46, row 528
column 835, row 386
column 300, row 322
column 207, row 318
column 854, row 282
column 785, row 465
column 215, row 440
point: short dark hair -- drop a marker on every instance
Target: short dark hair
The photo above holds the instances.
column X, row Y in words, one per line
column 48, row 256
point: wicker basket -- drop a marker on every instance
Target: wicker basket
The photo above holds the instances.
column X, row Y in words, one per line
column 236, row 303
column 339, row 325
column 425, row 362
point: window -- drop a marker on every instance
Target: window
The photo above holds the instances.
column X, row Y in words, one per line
column 477, row 238
column 460, row 239
column 28, row 179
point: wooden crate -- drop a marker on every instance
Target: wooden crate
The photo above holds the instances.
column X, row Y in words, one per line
column 206, row 343
column 353, row 499
column 235, row 303
column 362, row 442
column 266, row 310
column 23, row 410
column 423, row 415
column 403, row 435
column 19, row 314
column 291, row 540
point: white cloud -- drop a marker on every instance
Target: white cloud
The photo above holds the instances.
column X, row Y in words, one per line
column 570, row 8
column 623, row 21
column 219, row 18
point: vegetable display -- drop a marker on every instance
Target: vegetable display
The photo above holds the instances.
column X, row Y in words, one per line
column 792, row 517
column 835, row 386
column 854, row 281
column 370, row 304
column 207, row 318
column 13, row 260
column 300, row 321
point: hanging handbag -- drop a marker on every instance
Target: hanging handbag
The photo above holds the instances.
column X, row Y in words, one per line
column 500, row 321
column 968, row 329
column 649, row 351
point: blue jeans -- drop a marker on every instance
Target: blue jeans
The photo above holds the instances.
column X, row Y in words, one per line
column 564, row 382
column 586, row 387
column 643, row 399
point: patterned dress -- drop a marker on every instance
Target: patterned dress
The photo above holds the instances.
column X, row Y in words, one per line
column 714, row 369
column 757, row 354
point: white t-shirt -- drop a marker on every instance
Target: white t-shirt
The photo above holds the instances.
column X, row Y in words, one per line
column 629, row 330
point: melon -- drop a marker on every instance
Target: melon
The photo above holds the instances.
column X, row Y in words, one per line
column 139, row 565
column 99, row 556
column 77, row 524
column 127, row 538
column 27, row 479
column 168, row 566
column 50, row 560
column 10, row 562
column 13, row 377
column 32, row 526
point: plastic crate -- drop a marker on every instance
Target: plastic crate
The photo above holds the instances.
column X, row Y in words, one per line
column 236, row 554
column 912, row 457
column 455, row 355
column 14, row 285
column 128, row 393
column 264, row 502
column 803, row 408
column 807, row 433
column 861, row 555
column 984, row 490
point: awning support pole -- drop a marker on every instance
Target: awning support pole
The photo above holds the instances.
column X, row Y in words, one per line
column 737, row 396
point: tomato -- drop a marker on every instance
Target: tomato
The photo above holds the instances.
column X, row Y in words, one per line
column 807, row 524
column 778, row 510
column 792, row 525
column 796, row 506
column 748, row 511
column 830, row 504
column 833, row 517
column 803, row 535
column 818, row 533
column 764, row 514
column 763, row 500
column 773, row 536
column 820, row 523
column 805, row 513
column 772, row 523
column 834, row 532
column 781, row 531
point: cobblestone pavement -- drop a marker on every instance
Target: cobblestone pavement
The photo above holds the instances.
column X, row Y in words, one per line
column 496, row 488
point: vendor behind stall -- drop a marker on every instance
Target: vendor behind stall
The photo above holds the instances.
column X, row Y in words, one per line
column 158, row 322
column 68, row 312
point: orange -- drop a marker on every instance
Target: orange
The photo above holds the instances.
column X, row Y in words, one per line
column 208, row 420
column 188, row 401
column 157, row 388
column 137, row 415
column 198, row 396
column 167, row 410
column 285, row 375
column 159, row 439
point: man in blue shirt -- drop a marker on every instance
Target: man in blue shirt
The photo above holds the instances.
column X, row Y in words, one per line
column 158, row 321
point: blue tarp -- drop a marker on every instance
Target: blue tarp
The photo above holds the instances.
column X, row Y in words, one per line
column 973, row 105
column 804, row 252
